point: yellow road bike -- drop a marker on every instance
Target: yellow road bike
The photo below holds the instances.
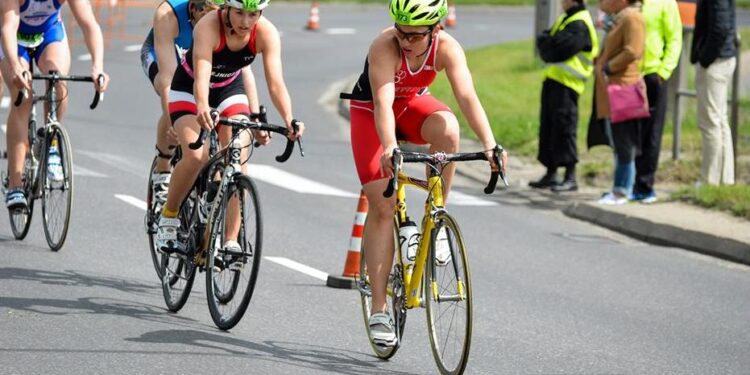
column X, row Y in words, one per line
column 443, row 288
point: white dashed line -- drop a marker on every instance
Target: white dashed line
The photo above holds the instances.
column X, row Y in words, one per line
column 275, row 176
column 341, row 31
column 5, row 102
column 299, row 267
column 132, row 48
column 85, row 172
column 131, row 200
column 458, row 198
column 86, row 57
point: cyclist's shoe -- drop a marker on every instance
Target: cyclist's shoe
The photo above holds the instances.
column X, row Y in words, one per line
column 166, row 236
column 15, row 199
column 160, row 187
column 382, row 330
column 442, row 248
column 232, row 256
column 54, row 167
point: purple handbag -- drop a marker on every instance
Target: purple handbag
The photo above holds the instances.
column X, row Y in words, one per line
column 627, row 102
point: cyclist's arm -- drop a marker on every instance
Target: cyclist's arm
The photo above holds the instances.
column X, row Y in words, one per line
column 165, row 30
column 205, row 39
column 382, row 59
column 269, row 44
column 251, row 90
column 458, row 73
column 92, row 34
column 11, row 18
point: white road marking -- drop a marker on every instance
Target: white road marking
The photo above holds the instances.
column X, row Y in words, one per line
column 299, row 267
column 275, row 176
column 341, row 31
column 132, row 48
column 119, row 162
column 86, row 57
column 5, row 102
column 131, row 200
column 4, row 127
column 85, row 172
column 458, row 198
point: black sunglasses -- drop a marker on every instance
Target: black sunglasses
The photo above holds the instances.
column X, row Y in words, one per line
column 412, row 37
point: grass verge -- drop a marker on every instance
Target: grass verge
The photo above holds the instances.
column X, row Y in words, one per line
column 735, row 199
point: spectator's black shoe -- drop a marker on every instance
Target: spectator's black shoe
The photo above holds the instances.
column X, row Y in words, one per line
column 545, row 182
column 567, row 185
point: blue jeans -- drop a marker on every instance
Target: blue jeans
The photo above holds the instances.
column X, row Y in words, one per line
column 624, row 138
column 624, row 177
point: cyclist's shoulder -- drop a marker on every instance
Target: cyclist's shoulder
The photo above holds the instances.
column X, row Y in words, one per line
column 385, row 45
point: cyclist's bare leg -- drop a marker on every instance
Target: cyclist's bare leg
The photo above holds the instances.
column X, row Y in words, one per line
column 187, row 169
column 17, row 127
column 232, row 227
column 442, row 132
column 56, row 56
column 378, row 240
column 165, row 148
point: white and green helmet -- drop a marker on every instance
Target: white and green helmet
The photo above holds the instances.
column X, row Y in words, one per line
column 247, row 5
column 417, row 12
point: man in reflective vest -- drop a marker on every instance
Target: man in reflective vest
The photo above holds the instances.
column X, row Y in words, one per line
column 568, row 48
column 663, row 47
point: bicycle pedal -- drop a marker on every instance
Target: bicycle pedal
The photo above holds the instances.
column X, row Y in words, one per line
column 236, row 266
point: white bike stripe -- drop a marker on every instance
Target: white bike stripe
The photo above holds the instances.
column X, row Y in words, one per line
column 131, row 200
column 299, row 267
column 278, row 177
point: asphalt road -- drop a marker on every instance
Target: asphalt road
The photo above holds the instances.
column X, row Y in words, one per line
column 552, row 295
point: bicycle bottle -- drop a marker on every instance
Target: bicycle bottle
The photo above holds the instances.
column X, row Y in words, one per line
column 408, row 239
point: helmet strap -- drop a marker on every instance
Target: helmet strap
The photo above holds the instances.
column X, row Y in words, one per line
column 429, row 45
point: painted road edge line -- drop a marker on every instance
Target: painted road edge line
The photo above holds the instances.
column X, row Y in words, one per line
column 131, row 200
column 299, row 267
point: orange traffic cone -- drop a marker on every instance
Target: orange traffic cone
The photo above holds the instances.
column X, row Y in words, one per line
column 451, row 20
column 314, row 22
column 351, row 267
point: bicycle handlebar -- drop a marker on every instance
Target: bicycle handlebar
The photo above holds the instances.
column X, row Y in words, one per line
column 443, row 158
column 53, row 77
column 256, row 122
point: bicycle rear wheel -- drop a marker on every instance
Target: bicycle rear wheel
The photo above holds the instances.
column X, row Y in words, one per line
column 151, row 221
column 20, row 219
column 231, row 276
column 395, row 299
column 448, row 300
column 57, row 196
column 178, row 271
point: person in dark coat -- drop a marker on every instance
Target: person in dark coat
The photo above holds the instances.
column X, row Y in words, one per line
column 569, row 48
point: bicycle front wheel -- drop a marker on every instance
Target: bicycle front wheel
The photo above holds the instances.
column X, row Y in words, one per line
column 448, row 297
column 20, row 219
column 57, row 190
column 395, row 299
column 231, row 274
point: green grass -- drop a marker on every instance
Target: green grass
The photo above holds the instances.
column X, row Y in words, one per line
column 735, row 199
column 455, row 2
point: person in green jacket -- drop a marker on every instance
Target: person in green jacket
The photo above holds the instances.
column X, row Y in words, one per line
column 663, row 47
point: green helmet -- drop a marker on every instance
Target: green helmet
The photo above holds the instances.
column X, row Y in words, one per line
column 418, row 12
column 247, row 5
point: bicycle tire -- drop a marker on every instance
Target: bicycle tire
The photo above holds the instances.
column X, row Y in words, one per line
column 178, row 272
column 151, row 221
column 56, row 212
column 394, row 301
column 224, row 280
column 451, row 352
column 20, row 220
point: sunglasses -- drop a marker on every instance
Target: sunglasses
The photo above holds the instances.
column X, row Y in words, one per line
column 411, row 37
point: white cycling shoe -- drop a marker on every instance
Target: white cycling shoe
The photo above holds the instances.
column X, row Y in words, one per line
column 382, row 330
column 166, row 236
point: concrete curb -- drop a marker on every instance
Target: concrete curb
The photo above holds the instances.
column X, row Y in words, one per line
column 661, row 234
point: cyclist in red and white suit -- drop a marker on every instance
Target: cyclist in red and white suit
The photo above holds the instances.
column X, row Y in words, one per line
column 224, row 42
column 391, row 102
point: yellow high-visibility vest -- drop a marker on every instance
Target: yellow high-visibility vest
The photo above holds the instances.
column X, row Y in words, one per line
column 574, row 71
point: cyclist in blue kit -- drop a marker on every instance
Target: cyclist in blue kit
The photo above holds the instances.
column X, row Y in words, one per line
column 164, row 48
column 37, row 25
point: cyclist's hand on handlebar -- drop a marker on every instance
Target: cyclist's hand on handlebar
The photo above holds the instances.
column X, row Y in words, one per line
column 292, row 135
column 100, row 85
column 386, row 161
column 205, row 117
column 22, row 79
column 262, row 137
column 491, row 160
